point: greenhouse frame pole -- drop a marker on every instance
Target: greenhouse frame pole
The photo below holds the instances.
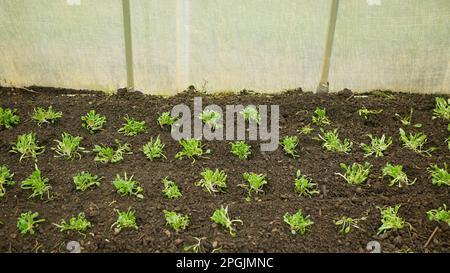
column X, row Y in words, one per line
column 324, row 84
column 128, row 44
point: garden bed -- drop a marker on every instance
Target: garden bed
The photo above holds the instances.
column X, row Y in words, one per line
column 263, row 229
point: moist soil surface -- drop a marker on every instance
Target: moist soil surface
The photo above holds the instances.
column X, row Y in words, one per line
column 263, row 229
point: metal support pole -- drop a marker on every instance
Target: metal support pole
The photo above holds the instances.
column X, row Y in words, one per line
column 323, row 84
column 128, row 43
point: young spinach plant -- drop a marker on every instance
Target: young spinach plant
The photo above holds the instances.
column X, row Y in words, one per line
column 297, row 222
column 347, row 223
column 86, row 180
column 241, row 149
column 93, row 122
column 192, row 149
column 211, row 118
column 213, row 181
column 250, row 113
column 290, row 144
column 415, row 142
column 77, row 223
column 332, row 143
column 6, row 179
column 27, row 146
column 365, row 113
column 45, row 116
column 8, row 118
column 171, row 189
column 221, row 217
column 439, row 176
column 69, row 146
column 27, row 222
column 304, row 185
column 165, row 119
column 391, row 221
column 176, row 220
column 132, row 127
column 442, row 108
column 105, row 154
column 377, row 146
column 154, row 149
column 125, row 219
column 442, row 214
column 397, row 175
column 320, row 117
column 127, row 186
column 255, row 184
column 37, row 184
column 356, row 174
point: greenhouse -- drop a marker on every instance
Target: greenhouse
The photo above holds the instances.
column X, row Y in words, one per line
column 212, row 126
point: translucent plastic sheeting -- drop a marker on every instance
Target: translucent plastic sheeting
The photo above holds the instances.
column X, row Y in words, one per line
column 402, row 45
column 62, row 43
column 226, row 45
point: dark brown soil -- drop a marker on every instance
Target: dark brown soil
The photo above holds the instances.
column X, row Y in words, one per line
column 263, row 229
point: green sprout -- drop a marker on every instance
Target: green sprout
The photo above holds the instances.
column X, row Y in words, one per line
column 356, row 174
column 331, row 142
column 93, row 122
column 439, row 176
column 176, row 220
column 211, row 118
column 415, row 142
column 154, row 149
column 377, row 146
column 391, row 221
column 128, row 186
column 192, row 149
column 213, row 181
column 77, row 223
column 125, row 219
column 304, row 185
column 165, row 119
column 69, row 146
column 407, row 120
column 86, row 180
column 107, row 154
column 27, row 222
column 221, row 217
column 250, row 113
column 27, row 146
column 398, row 176
column 289, row 144
column 6, row 179
column 439, row 215
column 132, row 127
column 42, row 116
column 442, row 108
column 255, row 184
column 37, row 184
column 346, row 224
column 171, row 189
column 306, row 130
column 241, row 149
column 195, row 248
column 297, row 222
column 320, row 117
column 365, row 113
column 8, row 118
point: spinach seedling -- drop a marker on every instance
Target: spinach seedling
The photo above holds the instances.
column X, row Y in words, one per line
column 107, row 154
column 8, row 118
column 6, row 179
column 132, row 127
column 221, row 217
column 93, row 122
column 332, row 143
column 154, row 149
column 77, row 223
column 192, row 149
column 241, row 149
column 356, row 174
column 304, row 185
column 391, row 221
column 255, row 184
column 171, row 189
column 377, row 146
column 290, row 144
column 297, row 222
column 27, row 146
column 320, row 117
column 398, row 176
column 346, row 224
column 439, row 176
column 69, row 146
column 213, row 181
column 306, row 130
column 439, row 215
column 42, row 116
column 210, row 118
column 407, row 120
column 125, row 219
column 27, row 222
column 165, row 119
column 415, row 142
column 442, row 108
column 176, row 220
column 365, row 113
column 37, row 184
column 86, row 180
column 127, row 186
column 250, row 113
column 195, row 248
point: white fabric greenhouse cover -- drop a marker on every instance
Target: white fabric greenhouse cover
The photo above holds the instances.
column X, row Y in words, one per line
column 263, row 45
